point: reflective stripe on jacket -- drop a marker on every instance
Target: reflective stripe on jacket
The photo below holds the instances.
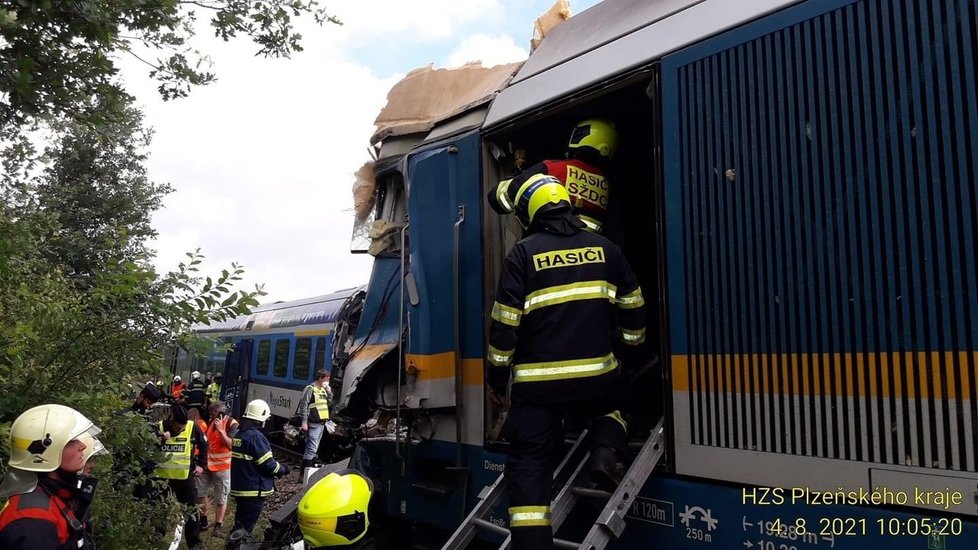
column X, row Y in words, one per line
column 252, row 464
column 319, row 407
column 562, row 302
column 219, row 454
column 194, row 393
column 178, row 449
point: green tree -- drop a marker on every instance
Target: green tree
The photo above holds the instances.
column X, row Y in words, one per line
column 83, row 313
column 96, row 192
column 79, row 297
column 78, row 337
column 56, row 55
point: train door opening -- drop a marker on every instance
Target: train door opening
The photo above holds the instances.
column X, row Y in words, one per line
column 235, row 371
column 635, row 210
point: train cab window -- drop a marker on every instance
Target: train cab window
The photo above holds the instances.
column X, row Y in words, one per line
column 264, row 354
column 320, row 354
column 303, row 347
column 381, row 209
column 281, row 365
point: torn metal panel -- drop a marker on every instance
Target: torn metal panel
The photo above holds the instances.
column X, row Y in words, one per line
column 364, row 191
column 557, row 14
column 358, row 366
column 598, row 25
column 427, row 95
column 378, row 331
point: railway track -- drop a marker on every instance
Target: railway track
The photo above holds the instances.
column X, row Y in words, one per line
column 288, row 486
column 283, row 451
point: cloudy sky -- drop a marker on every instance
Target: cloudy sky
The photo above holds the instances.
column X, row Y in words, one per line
column 262, row 160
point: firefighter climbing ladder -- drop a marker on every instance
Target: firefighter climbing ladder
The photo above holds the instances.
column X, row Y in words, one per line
column 611, row 520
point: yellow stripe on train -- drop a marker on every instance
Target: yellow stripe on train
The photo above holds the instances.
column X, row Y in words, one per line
column 442, row 365
column 935, row 374
column 320, row 332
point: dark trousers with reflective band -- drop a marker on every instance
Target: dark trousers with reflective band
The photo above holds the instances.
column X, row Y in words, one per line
column 246, row 512
column 536, row 436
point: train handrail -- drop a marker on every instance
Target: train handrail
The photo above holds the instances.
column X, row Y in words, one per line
column 456, row 268
column 400, row 351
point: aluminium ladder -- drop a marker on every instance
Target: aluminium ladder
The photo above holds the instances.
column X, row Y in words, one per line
column 570, row 475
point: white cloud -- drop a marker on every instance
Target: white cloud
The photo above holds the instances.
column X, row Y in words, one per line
column 491, row 50
column 414, row 20
column 262, row 160
column 262, row 163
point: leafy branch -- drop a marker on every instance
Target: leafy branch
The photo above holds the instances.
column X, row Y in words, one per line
column 55, row 56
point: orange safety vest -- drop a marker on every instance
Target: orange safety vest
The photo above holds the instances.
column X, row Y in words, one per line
column 177, row 390
column 203, row 428
column 219, row 454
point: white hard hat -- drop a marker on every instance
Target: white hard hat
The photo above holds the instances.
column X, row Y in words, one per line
column 257, row 410
column 195, row 375
column 39, row 435
column 177, row 378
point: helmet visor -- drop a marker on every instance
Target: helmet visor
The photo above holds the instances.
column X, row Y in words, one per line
column 580, row 132
column 93, row 447
column 83, row 426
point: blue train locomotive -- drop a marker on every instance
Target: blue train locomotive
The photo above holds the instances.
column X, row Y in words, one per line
column 796, row 188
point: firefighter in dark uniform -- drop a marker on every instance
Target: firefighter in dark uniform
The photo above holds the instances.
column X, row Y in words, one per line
column 591, row 147
column 252, row 466
column 564, row 297
column 48, row 500
column 195, row 394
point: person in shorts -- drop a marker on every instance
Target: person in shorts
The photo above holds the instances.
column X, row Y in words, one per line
column 216, row 478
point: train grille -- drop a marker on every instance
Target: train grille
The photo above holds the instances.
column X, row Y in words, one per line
column 828, row 208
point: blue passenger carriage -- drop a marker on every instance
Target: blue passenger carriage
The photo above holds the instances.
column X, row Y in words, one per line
column 274, row 352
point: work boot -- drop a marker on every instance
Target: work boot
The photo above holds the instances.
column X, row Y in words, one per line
column 203, row 523
column 605, row 468
column 240, row 539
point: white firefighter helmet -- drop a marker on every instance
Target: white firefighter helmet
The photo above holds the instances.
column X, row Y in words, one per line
column 40, row 434
column 257, row 410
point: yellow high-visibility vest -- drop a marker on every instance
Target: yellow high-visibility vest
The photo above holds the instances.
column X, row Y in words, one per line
column 213, row 391
column 319, row 408
column 177, row 449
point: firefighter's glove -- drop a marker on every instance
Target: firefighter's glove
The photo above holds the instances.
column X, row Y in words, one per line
column 283, row 470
